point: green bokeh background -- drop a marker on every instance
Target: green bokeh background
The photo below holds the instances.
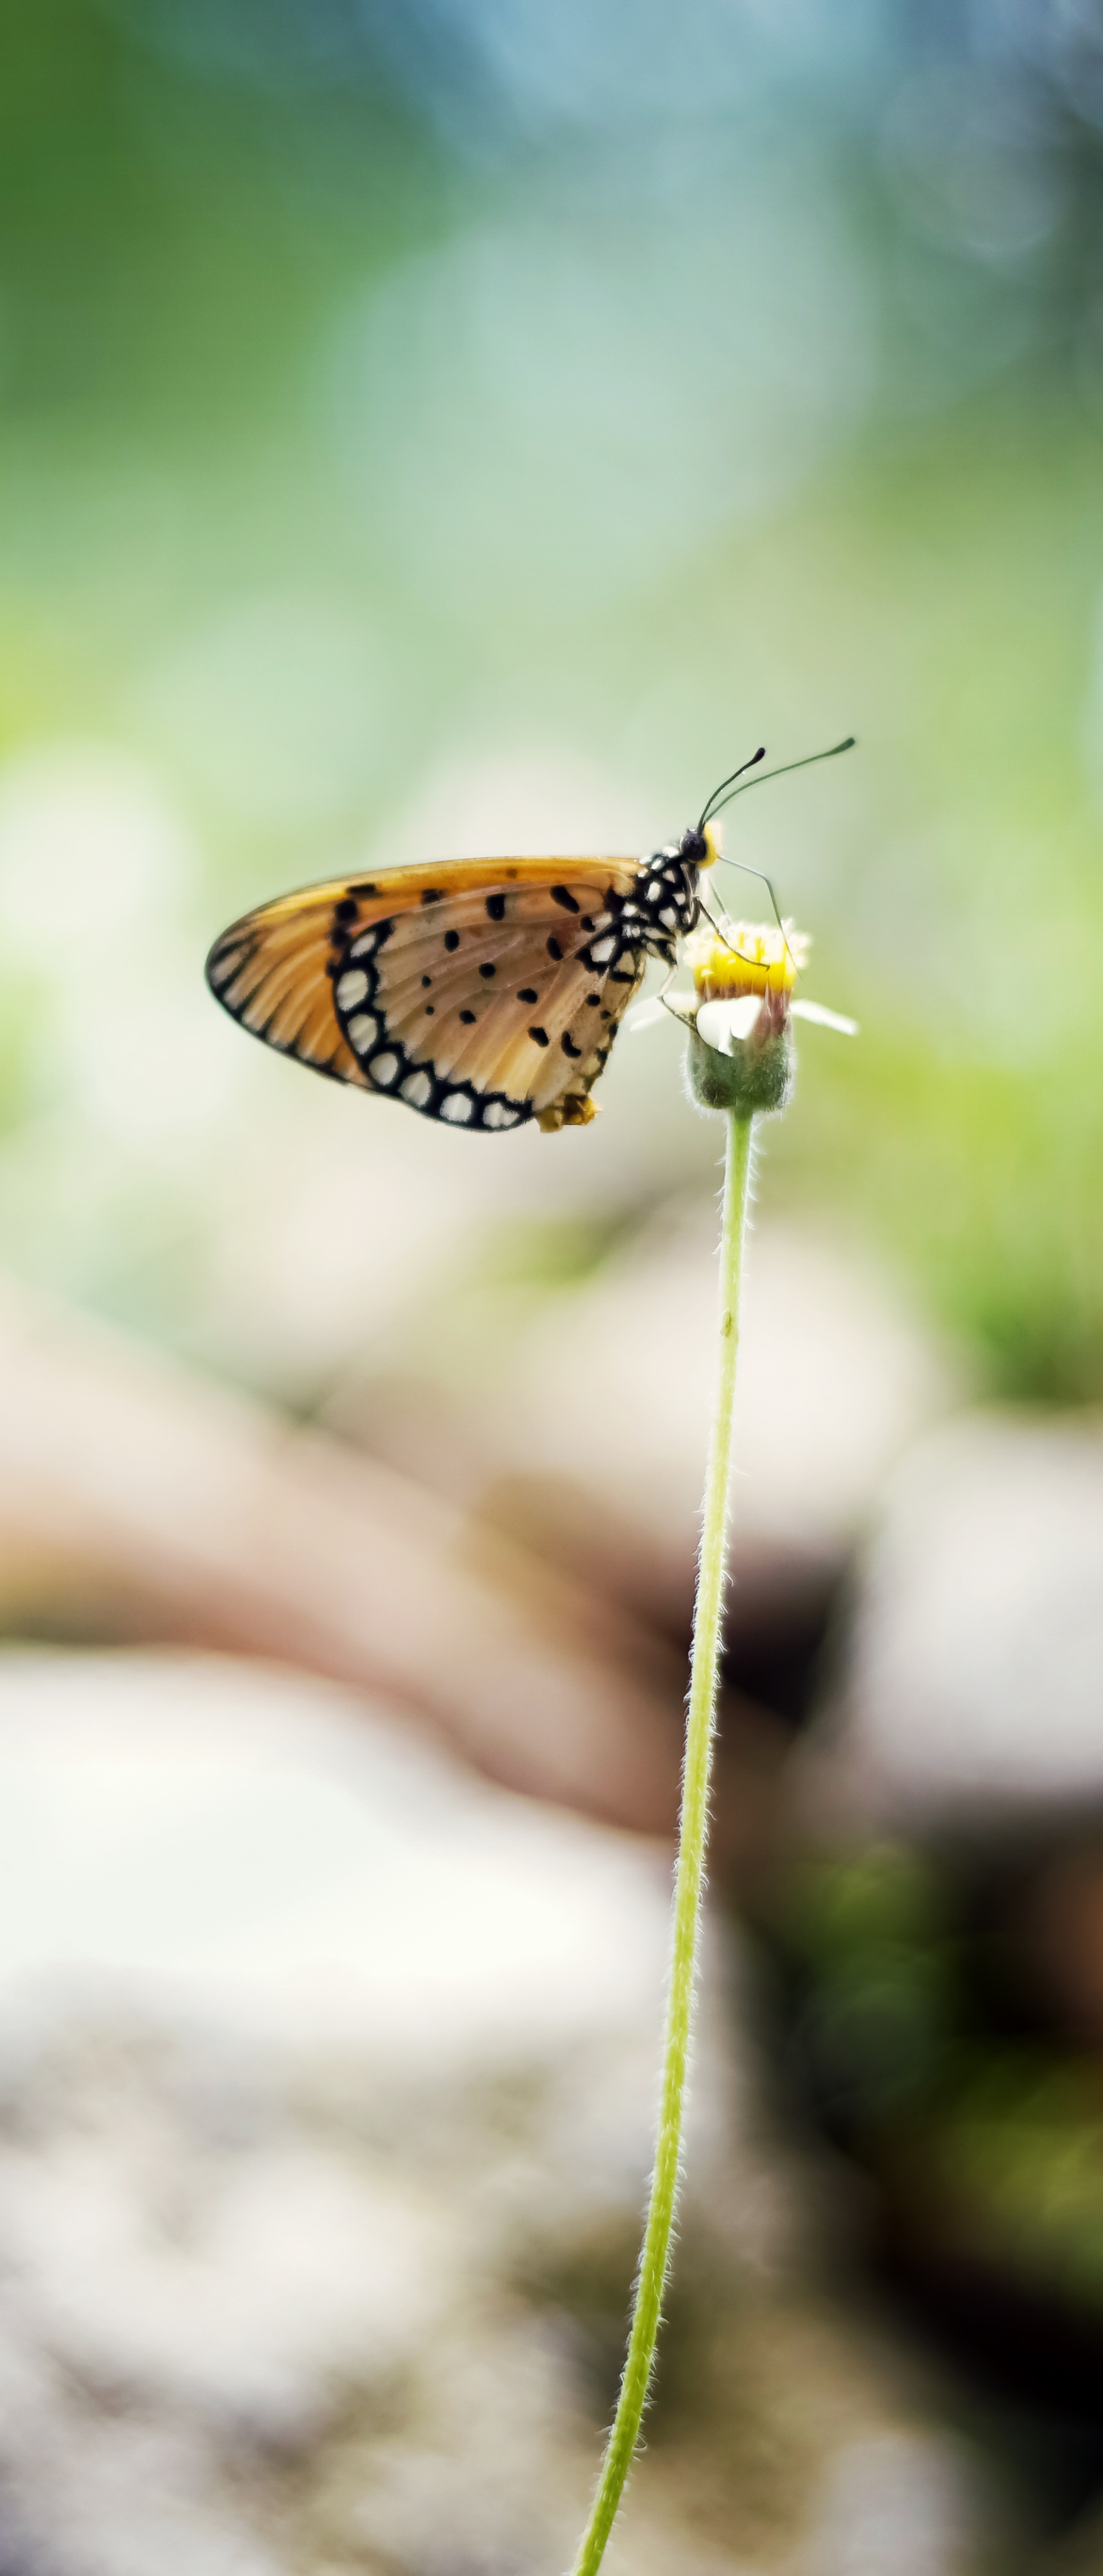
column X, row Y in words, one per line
column 393, row 399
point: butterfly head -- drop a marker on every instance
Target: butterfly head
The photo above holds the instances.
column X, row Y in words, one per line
column 700, row 848
column 668, row 888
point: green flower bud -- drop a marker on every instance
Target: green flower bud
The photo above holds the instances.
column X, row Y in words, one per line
column 754, row 1077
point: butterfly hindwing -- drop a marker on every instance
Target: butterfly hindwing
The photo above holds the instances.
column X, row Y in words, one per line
column 271, row 973
column 488, row 1009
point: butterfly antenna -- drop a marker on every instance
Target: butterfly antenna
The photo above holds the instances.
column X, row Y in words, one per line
column 713, row 807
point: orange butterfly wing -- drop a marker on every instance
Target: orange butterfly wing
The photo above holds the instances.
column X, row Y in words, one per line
column 484, row 993
column 271, row 972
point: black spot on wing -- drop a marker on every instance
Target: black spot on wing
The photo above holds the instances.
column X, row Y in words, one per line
column 554, row 950
column 528, row 993
column 468, row 1019
column 486, row 970
column 495, row 907
column 562, row 895
column 539, row 1037
column 568, row 1044
column 451, row 939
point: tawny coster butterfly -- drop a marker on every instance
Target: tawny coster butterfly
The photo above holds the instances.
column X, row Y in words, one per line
column 484, row 992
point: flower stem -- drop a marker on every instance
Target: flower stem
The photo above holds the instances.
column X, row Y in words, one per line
column 689, row 1877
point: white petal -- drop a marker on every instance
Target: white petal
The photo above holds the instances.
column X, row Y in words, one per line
column 823, row 1018
column 647, row 1015
column 718, row 1023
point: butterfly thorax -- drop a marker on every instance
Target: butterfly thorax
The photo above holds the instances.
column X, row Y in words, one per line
column 664, row 903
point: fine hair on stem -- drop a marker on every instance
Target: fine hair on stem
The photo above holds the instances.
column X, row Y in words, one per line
column 690, row 1869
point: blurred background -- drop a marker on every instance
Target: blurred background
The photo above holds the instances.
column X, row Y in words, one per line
column 460, row 427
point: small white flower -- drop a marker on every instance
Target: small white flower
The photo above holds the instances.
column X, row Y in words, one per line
column 823, row 1018
column 721, row 1022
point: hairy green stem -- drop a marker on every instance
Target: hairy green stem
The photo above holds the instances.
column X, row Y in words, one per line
column 689, row 1878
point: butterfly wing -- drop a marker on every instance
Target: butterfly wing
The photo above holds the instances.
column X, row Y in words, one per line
column 484, row 994
column 272, row 972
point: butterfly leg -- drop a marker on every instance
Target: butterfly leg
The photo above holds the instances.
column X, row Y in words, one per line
column 718, row 926
column 669, row 1006
column 574, row 1110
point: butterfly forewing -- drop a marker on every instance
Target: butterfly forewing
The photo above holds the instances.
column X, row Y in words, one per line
column 482, row 993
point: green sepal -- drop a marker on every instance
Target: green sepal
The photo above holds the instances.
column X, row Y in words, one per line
column 758, row 1078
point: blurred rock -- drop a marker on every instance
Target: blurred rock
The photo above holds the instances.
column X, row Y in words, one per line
column 611, row 1387
column 138, row 1500
column 972, row 1689
column 325, row 2088
column 579, row 1431
column 896, row 2502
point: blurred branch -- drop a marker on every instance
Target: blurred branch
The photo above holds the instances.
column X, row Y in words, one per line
column 137, row 1499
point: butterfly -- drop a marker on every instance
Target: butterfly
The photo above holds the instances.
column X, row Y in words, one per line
column 482, row 992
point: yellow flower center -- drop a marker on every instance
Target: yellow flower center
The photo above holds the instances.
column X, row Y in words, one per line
column 750, row 957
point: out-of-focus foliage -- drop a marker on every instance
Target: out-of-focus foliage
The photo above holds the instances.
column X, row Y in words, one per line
column 915, row 2028
column 476, row 424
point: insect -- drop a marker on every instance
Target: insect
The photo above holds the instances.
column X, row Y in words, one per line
column 483, row 992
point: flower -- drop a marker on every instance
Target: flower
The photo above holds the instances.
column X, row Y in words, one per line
column 747, row 957
column 739, row 1013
